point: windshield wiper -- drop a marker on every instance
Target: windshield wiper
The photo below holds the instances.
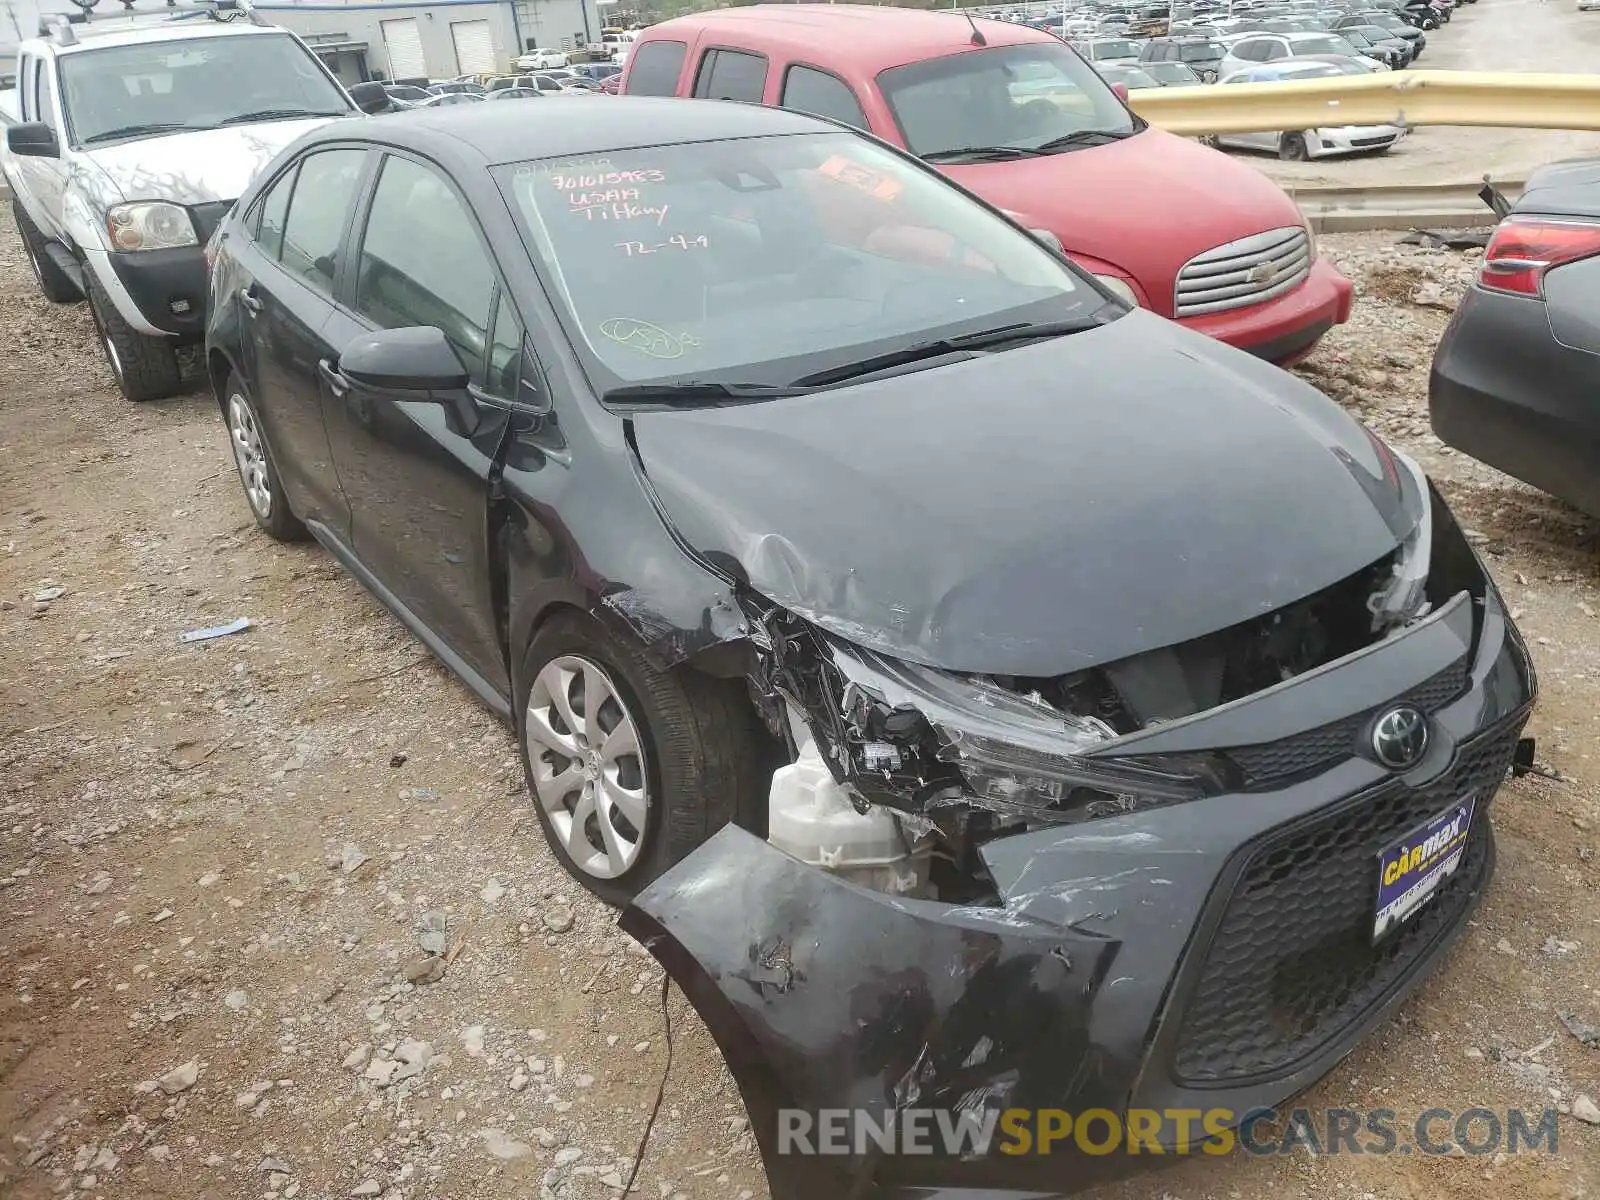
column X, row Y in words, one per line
column 277, row 114
column 696, row 393
column 136, row 130
column 993, row 152
column 1082, row 137
column 982, row 339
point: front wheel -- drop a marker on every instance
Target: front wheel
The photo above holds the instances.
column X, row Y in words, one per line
column 630, row 767
column 146, row 367
column 1292, row 148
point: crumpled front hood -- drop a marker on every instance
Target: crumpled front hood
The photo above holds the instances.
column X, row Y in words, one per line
column 196, row 168
column 1034, row 511
column 1191, row 198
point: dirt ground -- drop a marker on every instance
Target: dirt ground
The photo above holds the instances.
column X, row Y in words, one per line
column 219, row 862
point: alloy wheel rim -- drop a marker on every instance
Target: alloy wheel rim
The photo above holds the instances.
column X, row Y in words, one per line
column 248, row 454
column 588, row 766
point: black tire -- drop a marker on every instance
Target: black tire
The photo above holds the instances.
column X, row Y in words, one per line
column 146, row 368
column 1292, row 148
column 258, row 473
column 54, row 283
column 704, row 756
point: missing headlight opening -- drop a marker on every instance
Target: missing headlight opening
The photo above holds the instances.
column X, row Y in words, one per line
column 899, row 772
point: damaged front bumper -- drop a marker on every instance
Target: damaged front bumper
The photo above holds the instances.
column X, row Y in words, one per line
column 1210, row 954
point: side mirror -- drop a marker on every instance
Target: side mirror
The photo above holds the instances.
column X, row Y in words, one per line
column 1121, row 89
column 370, row 98
column 418, row 359
column 32, row 140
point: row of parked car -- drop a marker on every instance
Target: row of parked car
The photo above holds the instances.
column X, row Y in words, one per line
column 583, row 79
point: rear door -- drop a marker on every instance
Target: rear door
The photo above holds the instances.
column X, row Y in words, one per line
column 416, row 470
column 289, row 274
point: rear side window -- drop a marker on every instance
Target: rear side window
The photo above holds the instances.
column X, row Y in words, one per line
column 808, row 90
column 318, row 211
column 655, row 68
column 731, row 75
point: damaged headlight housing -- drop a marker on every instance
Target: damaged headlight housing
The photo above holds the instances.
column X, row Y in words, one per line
column 1013, row 753
column 1403, row 598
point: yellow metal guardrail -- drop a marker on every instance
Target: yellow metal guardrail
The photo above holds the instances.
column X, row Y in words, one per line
column 1488, row 98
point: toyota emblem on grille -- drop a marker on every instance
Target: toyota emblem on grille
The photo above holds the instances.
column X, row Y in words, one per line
column 1262, row 274
column 1400, row 737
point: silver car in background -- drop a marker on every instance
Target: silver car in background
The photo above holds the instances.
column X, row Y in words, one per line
column 1298, row 145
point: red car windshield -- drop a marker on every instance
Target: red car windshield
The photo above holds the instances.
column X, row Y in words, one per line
column 1020, row 97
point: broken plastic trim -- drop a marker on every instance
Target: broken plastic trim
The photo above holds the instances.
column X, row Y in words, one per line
column 1403, row 600
column 917, row 738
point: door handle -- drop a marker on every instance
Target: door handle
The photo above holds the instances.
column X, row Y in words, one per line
column 250, row 300
column 333, row 377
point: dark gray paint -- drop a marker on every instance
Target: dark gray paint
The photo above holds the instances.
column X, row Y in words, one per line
column 1009, row 514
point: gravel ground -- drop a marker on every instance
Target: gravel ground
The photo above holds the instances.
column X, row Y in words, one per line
column 224, row 865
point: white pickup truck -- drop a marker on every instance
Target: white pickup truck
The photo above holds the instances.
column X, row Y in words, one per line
column 132, row 139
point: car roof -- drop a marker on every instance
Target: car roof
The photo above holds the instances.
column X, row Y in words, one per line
column 99, row 35
column 569, row 126
column 867, row 38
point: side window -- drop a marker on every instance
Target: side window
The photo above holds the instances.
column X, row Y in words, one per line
column 318, row 210
column 44, row 103
column 25, row 85
column 266, row 226
column 731, row 75
column 422, row 262
column 809, row 90
column 655, row 68
column 1251, row 51
column 505, row 353
column 1276, row 50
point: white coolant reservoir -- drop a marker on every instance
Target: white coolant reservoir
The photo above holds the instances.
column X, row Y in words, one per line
column 811, row 817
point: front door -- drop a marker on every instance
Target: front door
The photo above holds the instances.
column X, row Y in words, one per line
column 286, row 288
column 416, row 468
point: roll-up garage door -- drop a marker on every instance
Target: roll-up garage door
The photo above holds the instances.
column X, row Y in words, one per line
column 474, row 47
column 403, row 40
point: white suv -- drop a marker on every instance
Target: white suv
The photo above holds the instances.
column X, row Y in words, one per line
column 136, row 135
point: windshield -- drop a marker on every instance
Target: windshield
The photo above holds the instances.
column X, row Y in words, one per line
column 197, row 83
column 1129, row 77
column 767, row 259
column 1314, row 71
column 1204, row 52
column 1021, row 96
column 1171, row 72
column 1323, row 45
column 1115, row 48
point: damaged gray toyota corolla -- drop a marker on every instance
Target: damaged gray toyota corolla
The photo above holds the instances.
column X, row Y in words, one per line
column 983, row 696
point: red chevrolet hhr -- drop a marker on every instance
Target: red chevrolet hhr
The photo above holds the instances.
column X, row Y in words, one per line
column 1016, row 117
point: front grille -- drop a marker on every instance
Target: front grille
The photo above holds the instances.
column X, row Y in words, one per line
column 1362, row 143
column 1249, row 271
column 1304, row 753
column 1291, row 965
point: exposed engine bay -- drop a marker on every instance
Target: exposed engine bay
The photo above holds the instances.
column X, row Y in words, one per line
column 899, row 772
